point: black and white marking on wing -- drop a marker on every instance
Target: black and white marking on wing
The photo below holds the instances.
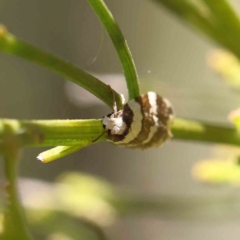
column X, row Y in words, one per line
column 142, row 123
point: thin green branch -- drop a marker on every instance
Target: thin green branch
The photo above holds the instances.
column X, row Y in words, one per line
column 215, row 18
column 14, row 223
column 80, row 132
column 187, row 11
column 120, row 44
column 224, row 14
column 204, row 132
column 15, row 46
column 59, row 152
column 50, row 132
column 226, row 22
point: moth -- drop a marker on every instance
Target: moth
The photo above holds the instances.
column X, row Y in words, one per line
column 143, row 122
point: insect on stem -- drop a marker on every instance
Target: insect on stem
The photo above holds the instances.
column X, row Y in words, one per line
column 114, row 111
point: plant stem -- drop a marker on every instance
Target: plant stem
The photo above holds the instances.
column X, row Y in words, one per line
column 79, row 132
column 226, row 22
column 187, row 11
column 59, row 152
column 204, row 132
column 14, row 223
column 12, row 45
column 224, row 15
column 218, row 21
column 120, row 44
column 51, row 132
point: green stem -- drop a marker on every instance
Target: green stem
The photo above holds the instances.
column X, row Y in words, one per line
column 59, row 152
column 51, row 132
column 14, row 224
column 12, row 45
column 226, row 22
column 186, row 10
column 218, row 20
column 79, row 132
column 108, row 21
column 224, row 15
column 204, row 132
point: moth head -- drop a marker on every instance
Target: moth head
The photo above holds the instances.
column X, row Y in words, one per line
column 106, row 120
column 114, row 122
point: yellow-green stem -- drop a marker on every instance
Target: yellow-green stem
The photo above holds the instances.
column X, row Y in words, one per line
column 14, row 221
column 77, row 132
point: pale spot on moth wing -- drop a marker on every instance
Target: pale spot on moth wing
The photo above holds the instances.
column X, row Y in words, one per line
column 152, row 98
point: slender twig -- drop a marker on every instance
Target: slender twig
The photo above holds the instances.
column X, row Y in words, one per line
column 187, row 11
column 225, row 15
column 108, row 21
column 204, row 132
column 225, row 21
column 51, row 132
column 219, row 21
column 11, row 44
column 14, row 224
column 59, row 152
column 77, row 132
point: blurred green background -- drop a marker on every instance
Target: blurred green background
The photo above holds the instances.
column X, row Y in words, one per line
column 171, row 60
